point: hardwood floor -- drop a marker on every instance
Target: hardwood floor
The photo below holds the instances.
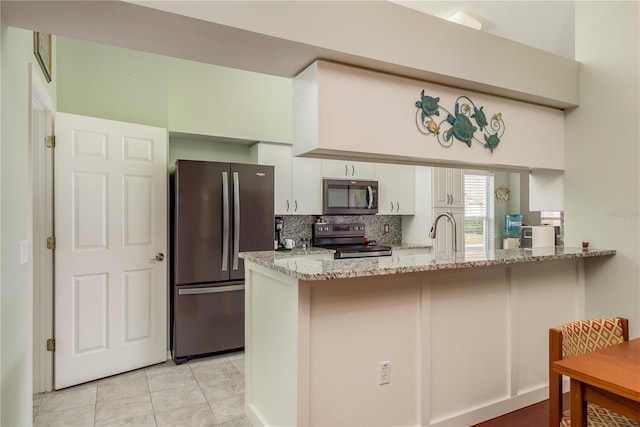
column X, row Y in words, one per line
column 536, row 415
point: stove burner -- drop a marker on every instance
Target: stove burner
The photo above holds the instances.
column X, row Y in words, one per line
column 348, row 241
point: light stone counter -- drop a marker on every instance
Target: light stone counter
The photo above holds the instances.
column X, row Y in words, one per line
column 465, row 336
column 318, row 264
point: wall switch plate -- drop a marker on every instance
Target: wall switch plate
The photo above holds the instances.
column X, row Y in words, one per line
column 384, row 372
column 386, row 228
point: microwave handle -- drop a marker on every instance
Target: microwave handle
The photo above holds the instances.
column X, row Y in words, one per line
column 370, row 192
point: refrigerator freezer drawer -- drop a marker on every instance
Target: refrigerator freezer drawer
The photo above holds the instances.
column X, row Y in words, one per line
column 207, row 319
column 212, row 290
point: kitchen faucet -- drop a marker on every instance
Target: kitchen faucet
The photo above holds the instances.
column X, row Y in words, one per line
column 432, row 233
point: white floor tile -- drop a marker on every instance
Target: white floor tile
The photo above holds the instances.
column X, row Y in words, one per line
column 203, row 392
column 199, row 415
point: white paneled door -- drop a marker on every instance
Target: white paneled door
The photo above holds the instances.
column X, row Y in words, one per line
column 111, row 238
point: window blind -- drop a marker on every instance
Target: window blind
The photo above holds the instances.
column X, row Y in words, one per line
column 478, row 210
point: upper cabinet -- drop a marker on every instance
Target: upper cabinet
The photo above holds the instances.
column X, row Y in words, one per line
column 396, row 189
column 448, row 187
column 298, row 181
column 348, row 169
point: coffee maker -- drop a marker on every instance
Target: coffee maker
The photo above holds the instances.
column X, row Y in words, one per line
column 279, row 232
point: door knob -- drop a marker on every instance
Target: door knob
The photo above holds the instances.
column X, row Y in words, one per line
column 159, row 257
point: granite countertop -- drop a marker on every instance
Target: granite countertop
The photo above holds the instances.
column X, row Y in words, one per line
column 318, row 264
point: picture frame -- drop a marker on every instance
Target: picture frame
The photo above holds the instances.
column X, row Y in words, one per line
column 42, row 52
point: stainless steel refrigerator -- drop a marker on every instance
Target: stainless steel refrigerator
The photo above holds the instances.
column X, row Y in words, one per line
column 217, row 211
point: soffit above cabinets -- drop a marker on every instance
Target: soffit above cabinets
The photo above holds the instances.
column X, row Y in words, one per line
column 279, row 38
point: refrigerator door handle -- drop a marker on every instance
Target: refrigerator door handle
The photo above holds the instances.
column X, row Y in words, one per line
column 225, row 221
column 236, row 219
column 212, row 290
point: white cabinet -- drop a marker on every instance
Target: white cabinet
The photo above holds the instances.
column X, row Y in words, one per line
column 448, row 187
column 306, row 186
column 348, row 169
column 396, row 189
column 298, row 181
column 443, row 243
column 448, row 196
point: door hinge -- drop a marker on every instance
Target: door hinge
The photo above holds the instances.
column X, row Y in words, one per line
column 51, row 242
column 50, row 141
column 51, row 344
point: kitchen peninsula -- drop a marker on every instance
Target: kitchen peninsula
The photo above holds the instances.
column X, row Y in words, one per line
column 464, row 336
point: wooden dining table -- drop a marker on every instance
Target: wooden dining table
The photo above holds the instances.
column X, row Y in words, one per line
column 609, row 377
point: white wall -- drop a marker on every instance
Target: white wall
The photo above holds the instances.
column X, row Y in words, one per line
column 15, row 279
column 369, row 115
column 602, row 188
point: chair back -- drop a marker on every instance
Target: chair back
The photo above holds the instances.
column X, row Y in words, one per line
column 573, row 339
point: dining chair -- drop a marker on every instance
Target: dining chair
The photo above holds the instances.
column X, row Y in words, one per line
column 573, row 339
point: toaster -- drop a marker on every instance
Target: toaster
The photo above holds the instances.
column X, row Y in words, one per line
column 537, row 236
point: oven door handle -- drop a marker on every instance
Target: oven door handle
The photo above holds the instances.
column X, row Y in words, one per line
column 370, row 194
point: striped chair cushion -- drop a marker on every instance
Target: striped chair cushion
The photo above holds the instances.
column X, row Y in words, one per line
column 600, row 417
column 584, row 336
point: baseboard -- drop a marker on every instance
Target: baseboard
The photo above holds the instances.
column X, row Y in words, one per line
column 493, row 410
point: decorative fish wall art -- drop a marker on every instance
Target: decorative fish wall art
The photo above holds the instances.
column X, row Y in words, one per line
column 462, row 125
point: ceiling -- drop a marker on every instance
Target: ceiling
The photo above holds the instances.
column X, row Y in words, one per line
column 235, row 34
column 546, row 25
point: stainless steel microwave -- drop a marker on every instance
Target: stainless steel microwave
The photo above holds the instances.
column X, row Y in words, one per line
column 349, row 197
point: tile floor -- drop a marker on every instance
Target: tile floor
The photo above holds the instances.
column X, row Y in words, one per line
column 203, row 392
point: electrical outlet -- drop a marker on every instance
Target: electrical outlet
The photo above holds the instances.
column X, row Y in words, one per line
column 384, row 372
column 386, row 228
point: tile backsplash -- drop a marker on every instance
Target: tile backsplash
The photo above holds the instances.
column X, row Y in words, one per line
column 297, row 227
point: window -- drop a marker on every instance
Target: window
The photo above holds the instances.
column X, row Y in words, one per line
column 551, row 218
column 478, row 210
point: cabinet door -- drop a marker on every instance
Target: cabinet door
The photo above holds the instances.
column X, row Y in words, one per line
column 396, row 189
column 278, row 156
column 347, row 169
column 306, row 186
column 443, row 243
column 455, row 178
column 441, row 196
column 448, row 187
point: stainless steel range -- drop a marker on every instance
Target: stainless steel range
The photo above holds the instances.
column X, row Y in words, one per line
column 348, row 240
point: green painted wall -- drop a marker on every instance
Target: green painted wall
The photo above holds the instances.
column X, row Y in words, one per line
column 182, row 96
column 16, row 290
column 212, row 100
column 200, row 148
column 112, row 83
